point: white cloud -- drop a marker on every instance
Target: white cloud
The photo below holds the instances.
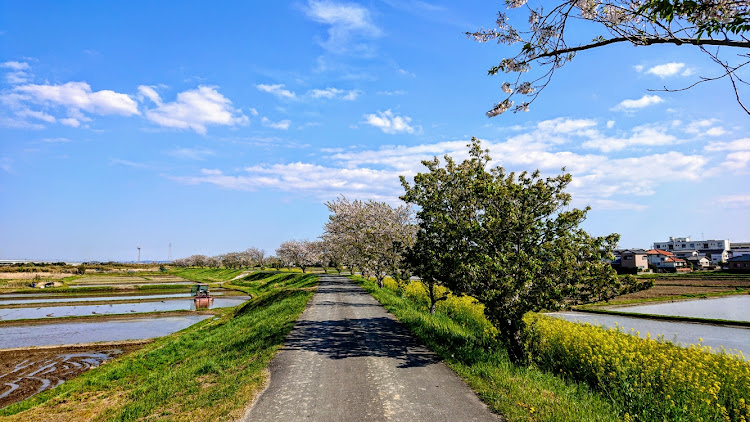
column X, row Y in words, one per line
column 667, row 69
column 71, row 122
column 373, row 173
column 282, row 125
column 197, row 154
column 390, row 93
column 734, row 201
column 331, row 93
column 18, row 74
column 736, row 145
column 645, row 101
column 736, row 161
column 40, row 115
column 277, row 90
column 563, row 125
column 195, row 109
column 79, row 96
column 645, row 135
column 610, row 124
column 390, row 123
column 15, row 65
column 150, row 93
column 345, row 20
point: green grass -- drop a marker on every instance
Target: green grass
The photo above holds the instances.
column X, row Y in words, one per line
column 517, row 392
column 207, row 275
column 209, row 371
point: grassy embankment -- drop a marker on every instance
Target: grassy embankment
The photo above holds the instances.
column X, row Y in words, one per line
column 579, row 373
column 209, row 371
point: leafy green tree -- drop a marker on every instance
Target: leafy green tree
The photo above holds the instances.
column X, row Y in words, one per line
column 509, row 240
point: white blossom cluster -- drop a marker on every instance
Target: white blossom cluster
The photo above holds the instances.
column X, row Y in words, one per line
column 370, row 235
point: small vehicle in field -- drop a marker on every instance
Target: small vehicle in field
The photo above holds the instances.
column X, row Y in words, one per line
column 201, row 296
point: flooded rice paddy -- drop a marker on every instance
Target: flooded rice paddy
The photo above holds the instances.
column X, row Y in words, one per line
column 23, row 299
column 56, row 333
column 42, row 312
column 731, row 308
column 681, row 333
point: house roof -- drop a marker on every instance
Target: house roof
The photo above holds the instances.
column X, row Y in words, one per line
column 659, row 252
column 634, row 251
column 741, row 258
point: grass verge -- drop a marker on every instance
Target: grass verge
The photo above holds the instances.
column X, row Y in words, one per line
column 518, row 393
column 209, row 371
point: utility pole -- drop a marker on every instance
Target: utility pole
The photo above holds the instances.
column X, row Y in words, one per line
column 139, row 254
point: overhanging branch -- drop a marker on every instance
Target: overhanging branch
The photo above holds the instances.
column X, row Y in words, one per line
column 647, row 41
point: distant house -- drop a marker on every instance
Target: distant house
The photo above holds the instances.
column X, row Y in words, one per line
column 665, row 261
column 739, row 263
column 686, row 254
column 698, row 262
column 636, row 259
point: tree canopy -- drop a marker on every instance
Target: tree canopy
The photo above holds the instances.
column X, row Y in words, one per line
column 509, row 240
column 549, row 42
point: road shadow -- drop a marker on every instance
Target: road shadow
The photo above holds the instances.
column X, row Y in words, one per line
column 350, row 338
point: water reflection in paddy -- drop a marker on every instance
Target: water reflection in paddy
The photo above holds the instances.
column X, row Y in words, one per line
column 732, row 308
column 87, row 332
column 59, row 299
column 115, row 308
column 683, row 333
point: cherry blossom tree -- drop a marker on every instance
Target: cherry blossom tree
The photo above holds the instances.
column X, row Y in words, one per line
column 373, row 234
column 257, row 256
column 548, row 41
column 300, row 253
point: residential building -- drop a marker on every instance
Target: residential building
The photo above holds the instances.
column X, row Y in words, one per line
column 698, row 262
column 665, row 261
column 739, row 249
column 634, row 258
column 740, row 263
column 715, row 250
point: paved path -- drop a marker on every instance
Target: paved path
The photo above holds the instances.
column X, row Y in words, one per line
column 347, row 359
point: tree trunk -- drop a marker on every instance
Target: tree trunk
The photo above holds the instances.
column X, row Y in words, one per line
column 516, row 350
column 433, row 306
column 380, row 281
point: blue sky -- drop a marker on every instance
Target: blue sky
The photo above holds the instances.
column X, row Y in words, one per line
column 216, row 128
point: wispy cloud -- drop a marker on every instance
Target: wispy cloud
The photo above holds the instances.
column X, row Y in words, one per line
column 194, row 109
column 346, row 21
column 281, row 125
column 645, row 101
column 196, row 154
column 734, row 201
column 667, row 69
column 277, row 90
column 19, row 72
column 598, row 179
column 331, row 93
column 390, row 123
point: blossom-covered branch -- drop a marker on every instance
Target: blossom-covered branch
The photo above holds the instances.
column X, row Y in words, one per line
column 546, row 44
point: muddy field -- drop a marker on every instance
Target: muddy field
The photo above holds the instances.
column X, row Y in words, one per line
column 25, row 372
column 729, row 282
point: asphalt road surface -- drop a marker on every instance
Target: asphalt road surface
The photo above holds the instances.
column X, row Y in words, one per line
column 348, row 359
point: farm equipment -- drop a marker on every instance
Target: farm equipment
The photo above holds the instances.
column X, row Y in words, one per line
column 201, row 297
